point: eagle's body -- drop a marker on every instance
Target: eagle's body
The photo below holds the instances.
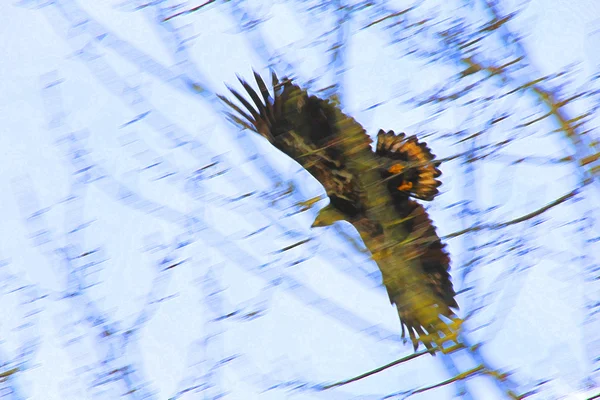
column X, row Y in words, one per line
column 371, row 190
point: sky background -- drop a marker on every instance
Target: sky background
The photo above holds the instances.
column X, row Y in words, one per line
column 141, row 233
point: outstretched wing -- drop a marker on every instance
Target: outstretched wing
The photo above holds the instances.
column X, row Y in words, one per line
column 303, row 127
column 265, row 116
column 408, row 166
column 409, row 169
column 424, row 247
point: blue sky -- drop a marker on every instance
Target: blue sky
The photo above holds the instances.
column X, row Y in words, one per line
column 127, row 233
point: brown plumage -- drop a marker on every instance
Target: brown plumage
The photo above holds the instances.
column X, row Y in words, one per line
column 410, row 167
column 425, row 245
column 369, row 189
column 299, row 126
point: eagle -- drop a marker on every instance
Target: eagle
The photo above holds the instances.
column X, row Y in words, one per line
column 375, row 190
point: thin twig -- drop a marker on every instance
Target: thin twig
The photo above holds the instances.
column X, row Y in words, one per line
column 384, row 367
column 8, row 373
column 396, row 14
column 462, row 376
column 554, row 105
column 191, row 10
column 520, row 219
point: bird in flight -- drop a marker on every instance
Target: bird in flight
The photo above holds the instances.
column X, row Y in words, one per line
column 376, row 191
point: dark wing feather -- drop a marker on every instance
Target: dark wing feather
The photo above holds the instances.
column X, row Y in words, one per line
column 237, row 120
column 238, row 110
column 426, row 247
column 266, row 95
column 304, row 128
column 259, row 116
column 262, row 109
column 246, row 104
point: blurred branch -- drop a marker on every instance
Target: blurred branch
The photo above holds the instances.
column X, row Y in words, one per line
column 471, row 214
column 249, row 24
column 384, row 367
column 465, row 375
column 391, row 15
column 520, row 219
column 6, row 374
column 502, row 381
column 538, row 160
column 190, row 11
column 462, row 390
column 339, row 49
column 554, row 105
